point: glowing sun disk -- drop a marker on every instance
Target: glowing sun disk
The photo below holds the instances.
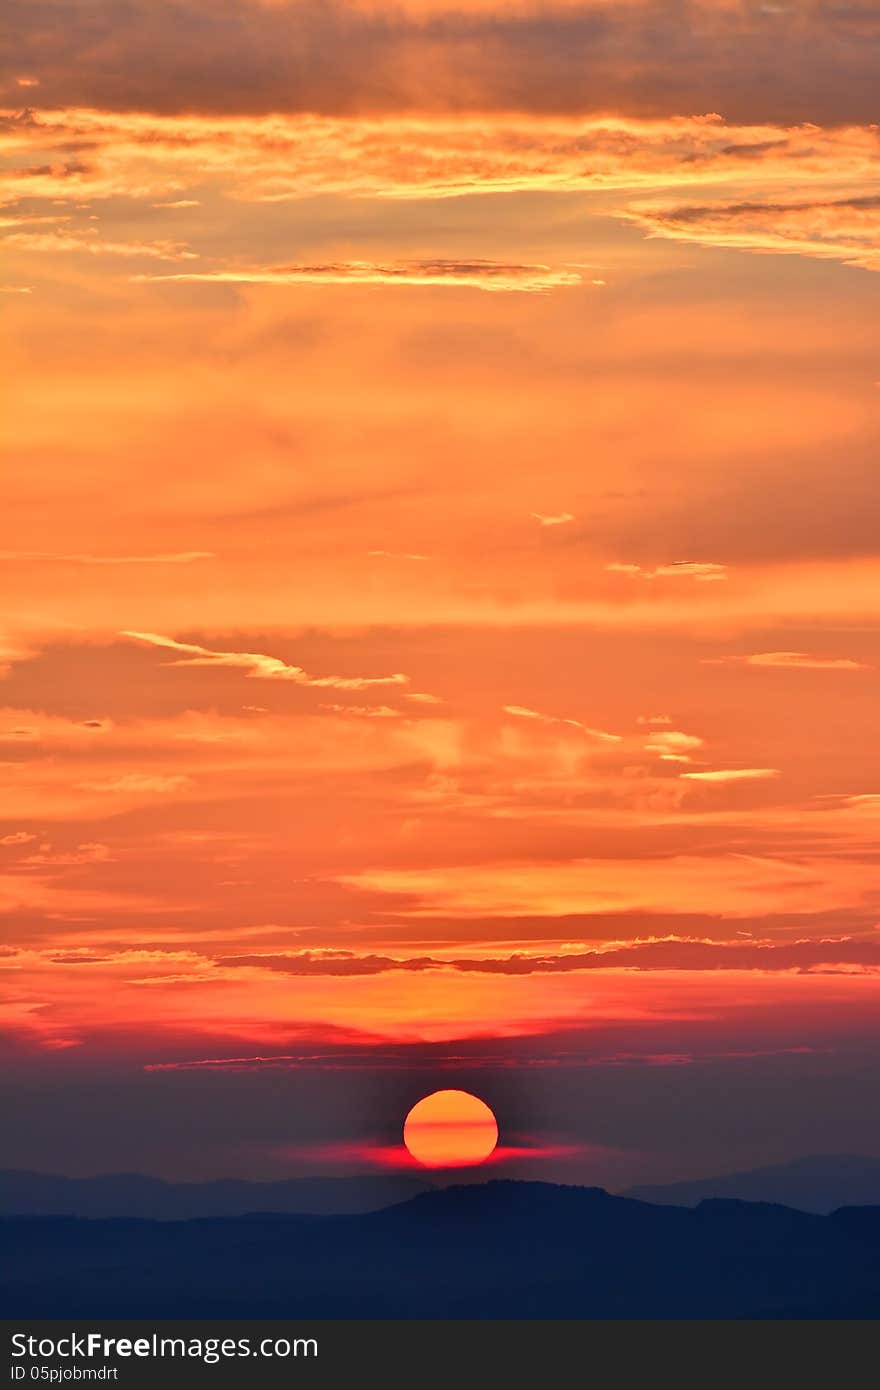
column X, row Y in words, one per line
column 450, row 1129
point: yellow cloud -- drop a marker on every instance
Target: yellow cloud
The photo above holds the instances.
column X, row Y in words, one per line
column 792, row 661
column 679, row 569
column 473, row 274
column 737, row 774
column 262, row 667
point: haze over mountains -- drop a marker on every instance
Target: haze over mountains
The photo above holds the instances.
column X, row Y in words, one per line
column 133, row 1195
column 493, row 1250
column 818, row 1183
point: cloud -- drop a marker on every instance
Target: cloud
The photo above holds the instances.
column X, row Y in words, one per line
column 673, row 743
column 474, row 274
column 182, row 557
column 327, row 962
column 139, row 782
column 823, row 955
column 559, row 520
column 396, row 555
column 791, row 661
column 91, row 853
column 737, row 774
column 679, row 569
column 17, row 837
column 328, row 56
column 282, row 157
column 522, row 712
column 95, row 245
column 364, row 711
column 261, row 667
column 679, row 879
column 843, row 229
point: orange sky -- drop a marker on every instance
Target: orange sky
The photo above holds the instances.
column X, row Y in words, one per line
column 440, row 527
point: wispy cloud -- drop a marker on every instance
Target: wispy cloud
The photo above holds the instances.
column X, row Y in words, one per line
column 735, row 774
column 558, row 520
column 180, row 557
column 522, row 712
column 364, row 711
column 396, row 555
column 791, row 661
column 93, row 852
column 843, row 229
column 139, row 782
column 673, row 744
column 679, row 569
column 262, row 667
column 95, row 245
column 475, row 274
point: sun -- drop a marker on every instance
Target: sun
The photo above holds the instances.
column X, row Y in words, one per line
column 450, row 1129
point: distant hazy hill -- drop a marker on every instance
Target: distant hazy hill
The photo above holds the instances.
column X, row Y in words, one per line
column 133, row 1195
column 494, row 1250
column 820, row 1183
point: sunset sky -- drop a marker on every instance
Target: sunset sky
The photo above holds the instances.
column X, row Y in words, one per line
column 441, row 581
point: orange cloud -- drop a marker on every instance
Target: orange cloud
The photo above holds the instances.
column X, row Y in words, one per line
column 843, row 229
column 734, row 885
column 669, row 953
column 284, row 157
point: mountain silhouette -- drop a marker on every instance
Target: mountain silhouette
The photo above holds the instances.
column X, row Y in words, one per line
column 818, row 1183
column 493, row 1250
column 122, row 1195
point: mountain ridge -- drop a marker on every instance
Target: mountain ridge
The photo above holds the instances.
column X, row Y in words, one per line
column 502, row 1249
column 817, row 1183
